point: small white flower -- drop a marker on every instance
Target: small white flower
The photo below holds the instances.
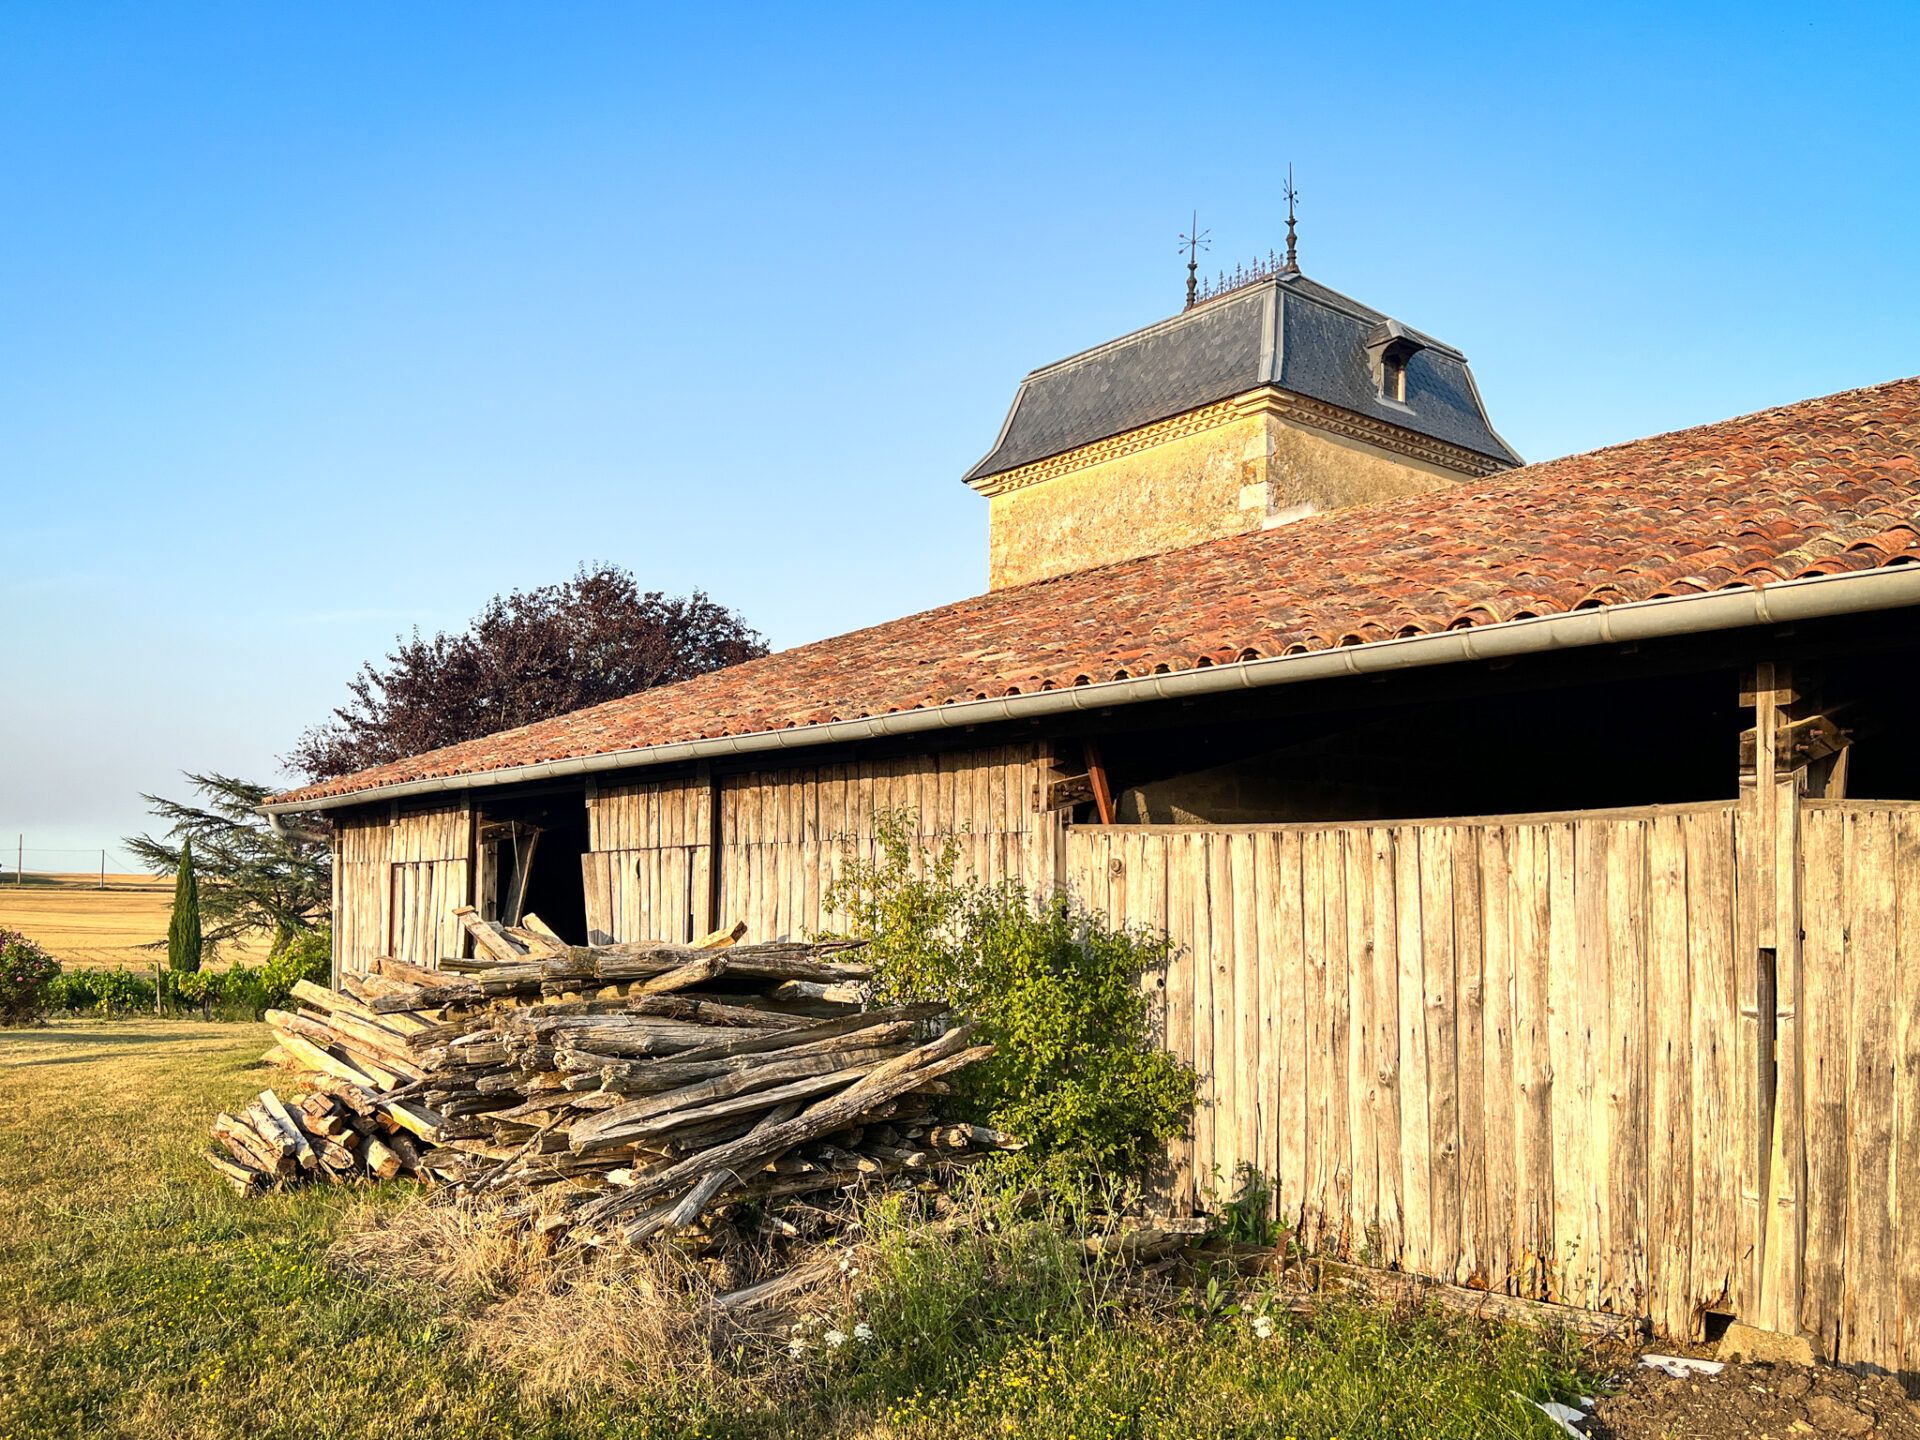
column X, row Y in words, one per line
column 846, row 1264
column 863, row 1332
column 1263, row 1327
column 835, row 1339
column 796, row 1347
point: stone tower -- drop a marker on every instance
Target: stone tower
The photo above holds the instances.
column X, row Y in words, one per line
column 1269, row 402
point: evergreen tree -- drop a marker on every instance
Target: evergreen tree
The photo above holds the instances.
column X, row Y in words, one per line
column 183, row 931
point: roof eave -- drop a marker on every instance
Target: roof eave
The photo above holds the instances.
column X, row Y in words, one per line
column 1816, row 597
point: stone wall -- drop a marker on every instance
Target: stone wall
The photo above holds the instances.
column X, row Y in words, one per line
column 1242, row 465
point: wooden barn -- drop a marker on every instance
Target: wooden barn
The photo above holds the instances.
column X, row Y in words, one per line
column 1543, row 842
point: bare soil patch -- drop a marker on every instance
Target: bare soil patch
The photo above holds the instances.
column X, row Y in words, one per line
column 1746, row 1402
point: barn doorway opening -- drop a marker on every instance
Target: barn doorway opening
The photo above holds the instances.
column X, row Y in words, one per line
column 529, row 863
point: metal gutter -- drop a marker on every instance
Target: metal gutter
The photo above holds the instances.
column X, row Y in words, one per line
column 1814, row 598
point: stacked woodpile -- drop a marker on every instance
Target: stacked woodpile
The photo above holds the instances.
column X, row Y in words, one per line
column 340, row 1131
column 650, row 1084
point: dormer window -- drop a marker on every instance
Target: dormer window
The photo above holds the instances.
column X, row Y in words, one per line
column 1393, row 378
column 1390, row 346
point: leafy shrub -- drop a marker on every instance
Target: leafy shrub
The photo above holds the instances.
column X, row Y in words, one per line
column 25, row 973
column 101, row 992
column 1054, row 987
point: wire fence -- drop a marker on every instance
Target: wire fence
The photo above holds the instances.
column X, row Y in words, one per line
column 24, row 864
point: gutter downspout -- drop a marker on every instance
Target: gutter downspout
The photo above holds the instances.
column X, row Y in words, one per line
column 1813, row 598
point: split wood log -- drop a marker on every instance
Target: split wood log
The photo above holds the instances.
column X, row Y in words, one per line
column 488, row 938
column 242, row 1177
column 683, row 977
column 315, row 1058
column 1394, row 1287
column 278, row 1113
column 372, row 1064
column 842, row 992
column 709, row 1010
column 380, row 1160
column 746, row 1081
column 416, row 1120
column 534, row 925
column 801, row 1089
column 251, row 1147
column 721, row 939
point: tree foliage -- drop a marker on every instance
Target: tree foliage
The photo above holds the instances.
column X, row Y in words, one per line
column 1076, row 1071
column 250, row 880
column 184, row 940
column 527, row 656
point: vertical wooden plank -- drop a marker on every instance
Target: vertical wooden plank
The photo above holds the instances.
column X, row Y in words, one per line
column 1385, row 1046
column 1287, row 954
column 1363, row 1189
column 1868, row 1310
column 1668, row 1111
column 1265, row 874
column 1715, row 1092
column 1416, row 1182
column 1249, row 1098
column 1625, row 1076
column 1499, row 1071
column 1181, row 1007
column 1534, row 1181
column 1591, row 934
column 1339, row 1143
column 1469, row 924
column 1567, row 1039
column 1318, row 1177
column 1906, row 1098
column 1754, row 1124
column 1226, row 1067
column 1443, row 1076
column 1823, row 1015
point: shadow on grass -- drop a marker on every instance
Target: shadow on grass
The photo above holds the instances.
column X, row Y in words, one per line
column 80, row 1046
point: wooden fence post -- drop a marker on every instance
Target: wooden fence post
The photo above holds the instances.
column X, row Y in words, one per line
column 1770, row 791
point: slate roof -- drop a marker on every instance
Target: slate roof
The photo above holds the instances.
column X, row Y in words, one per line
column 1815, row 488
column 1287, row 331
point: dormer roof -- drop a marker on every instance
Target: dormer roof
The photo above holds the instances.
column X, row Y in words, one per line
column 1285, row 331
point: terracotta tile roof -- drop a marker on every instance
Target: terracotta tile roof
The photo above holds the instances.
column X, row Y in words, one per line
column 1823, row 486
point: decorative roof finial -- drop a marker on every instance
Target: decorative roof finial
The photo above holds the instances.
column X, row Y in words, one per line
column 1192, row 243
column 1292, row 266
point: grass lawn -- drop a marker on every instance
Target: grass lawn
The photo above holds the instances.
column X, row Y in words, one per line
column 144, row 1299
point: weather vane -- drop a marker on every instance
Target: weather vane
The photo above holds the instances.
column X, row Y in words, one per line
column 1293, row 262
column 1191, row 244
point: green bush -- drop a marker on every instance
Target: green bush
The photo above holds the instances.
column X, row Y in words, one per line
column 101, row 992
column 1076, row 1072
column 26, row 972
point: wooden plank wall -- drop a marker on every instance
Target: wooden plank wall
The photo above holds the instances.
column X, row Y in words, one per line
column 1860, row 969
column 1499, row 1051
column 396, row 883
column 649, row 861
column 781, row 834
column 783, row 831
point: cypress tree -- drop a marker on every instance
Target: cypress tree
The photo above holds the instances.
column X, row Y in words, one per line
column 183, row 931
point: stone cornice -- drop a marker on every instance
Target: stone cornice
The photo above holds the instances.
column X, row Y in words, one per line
column 1268, row 400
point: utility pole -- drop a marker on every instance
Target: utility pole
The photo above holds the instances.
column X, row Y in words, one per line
column 20, row 861
column 103, row 869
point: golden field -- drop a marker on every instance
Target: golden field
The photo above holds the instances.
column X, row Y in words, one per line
column 86, row 927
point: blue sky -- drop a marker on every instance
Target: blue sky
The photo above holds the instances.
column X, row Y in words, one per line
column 318, row 323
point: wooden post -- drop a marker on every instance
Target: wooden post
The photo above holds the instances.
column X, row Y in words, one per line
column 1770, row 796
column 1102, row 793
